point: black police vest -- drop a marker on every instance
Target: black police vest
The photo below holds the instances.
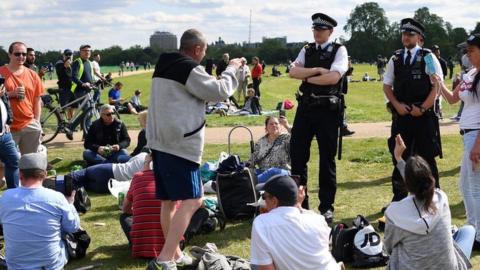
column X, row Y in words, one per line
column 320, row 58
column 412, row 84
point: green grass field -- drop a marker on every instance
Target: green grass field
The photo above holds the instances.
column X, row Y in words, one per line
column 363, row 173
column 365, row 100
column 363, row 188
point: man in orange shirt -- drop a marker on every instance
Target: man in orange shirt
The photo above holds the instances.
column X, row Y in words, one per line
column 24, row 88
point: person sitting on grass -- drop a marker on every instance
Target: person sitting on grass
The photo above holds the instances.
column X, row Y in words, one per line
column 273, row 149
column 107, row 139
column 418, row 231
column 35, row 218
column 136, row 102
column 140, row 219
column 142, row 138
column 252, row 103
column 116, row 100
column 288, row 237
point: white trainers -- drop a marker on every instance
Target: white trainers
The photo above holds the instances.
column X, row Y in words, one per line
column 184, row 261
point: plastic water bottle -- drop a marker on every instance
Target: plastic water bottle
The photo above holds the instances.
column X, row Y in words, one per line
column 121, row 198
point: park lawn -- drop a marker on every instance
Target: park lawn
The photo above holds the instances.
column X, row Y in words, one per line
column 365, row 100
column 363, row 188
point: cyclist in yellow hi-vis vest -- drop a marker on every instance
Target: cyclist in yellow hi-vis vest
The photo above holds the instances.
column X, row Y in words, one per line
column 82, row 72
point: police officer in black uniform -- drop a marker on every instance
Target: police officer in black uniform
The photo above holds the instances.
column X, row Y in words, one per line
column 411, row 97
column 320, row 65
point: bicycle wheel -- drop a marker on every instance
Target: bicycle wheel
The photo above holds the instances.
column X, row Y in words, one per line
column 90, row 116
column 50, row 121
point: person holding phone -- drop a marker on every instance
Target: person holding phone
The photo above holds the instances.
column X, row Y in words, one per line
column 468, row 91
column 63, row 67
column 273, row 149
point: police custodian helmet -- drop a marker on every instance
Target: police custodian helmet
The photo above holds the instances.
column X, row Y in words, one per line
column 410, row 25
column 323, row 21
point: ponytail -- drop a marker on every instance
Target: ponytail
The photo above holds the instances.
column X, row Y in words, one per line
column 420, row 182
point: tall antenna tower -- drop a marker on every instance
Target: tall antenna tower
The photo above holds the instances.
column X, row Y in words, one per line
column 250, row 28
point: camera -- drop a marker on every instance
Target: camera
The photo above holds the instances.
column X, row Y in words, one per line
column 60, row 183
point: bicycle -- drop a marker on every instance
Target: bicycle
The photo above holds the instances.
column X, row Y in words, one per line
column 54, row 119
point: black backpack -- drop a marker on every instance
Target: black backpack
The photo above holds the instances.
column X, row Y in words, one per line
column 367, row 245
column 203, row 221
column 77, row 244
column 342, row 242
column 82, row 201
column 360, row 244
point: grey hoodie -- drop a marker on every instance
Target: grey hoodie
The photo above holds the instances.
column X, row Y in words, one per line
column 425, row 242
column 176, row 115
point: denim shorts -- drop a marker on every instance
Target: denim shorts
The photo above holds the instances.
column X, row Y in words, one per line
column 176, row 179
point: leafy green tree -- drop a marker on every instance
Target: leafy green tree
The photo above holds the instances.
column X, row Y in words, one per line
column 368, row 27
column 476, row 30
column 3, row 56
column 458, row 35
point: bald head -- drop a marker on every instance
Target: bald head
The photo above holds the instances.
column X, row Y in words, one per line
column 190, row 39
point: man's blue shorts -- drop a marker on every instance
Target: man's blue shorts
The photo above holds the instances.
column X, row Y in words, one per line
column 176, row 179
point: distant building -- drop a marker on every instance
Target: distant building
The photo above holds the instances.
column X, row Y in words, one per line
column 281, row 40
column 163, row 40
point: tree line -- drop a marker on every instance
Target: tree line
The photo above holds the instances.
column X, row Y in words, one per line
column 370, row 31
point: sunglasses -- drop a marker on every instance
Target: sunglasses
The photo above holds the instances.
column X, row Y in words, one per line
column 109, row 114
column 17, row 54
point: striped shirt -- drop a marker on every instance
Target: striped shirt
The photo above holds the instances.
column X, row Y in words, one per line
column 146, row 234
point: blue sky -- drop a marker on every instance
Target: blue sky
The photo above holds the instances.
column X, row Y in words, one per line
column 60, row 24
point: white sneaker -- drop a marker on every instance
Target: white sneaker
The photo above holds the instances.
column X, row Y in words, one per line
column 184, row 261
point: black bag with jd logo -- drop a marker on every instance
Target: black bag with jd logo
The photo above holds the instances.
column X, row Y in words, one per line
column 359, row 244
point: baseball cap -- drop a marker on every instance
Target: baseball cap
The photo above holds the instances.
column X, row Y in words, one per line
column 33, row 161
column 474, row 39
column 67, row 52
column 282, row 187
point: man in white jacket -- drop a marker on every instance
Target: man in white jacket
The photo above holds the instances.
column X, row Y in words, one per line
column 175, row 134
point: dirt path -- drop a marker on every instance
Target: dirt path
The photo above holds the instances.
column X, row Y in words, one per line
column 53, row 83
column 219, row 135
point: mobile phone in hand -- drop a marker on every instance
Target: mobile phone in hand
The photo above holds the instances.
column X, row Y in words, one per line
column 281, row 113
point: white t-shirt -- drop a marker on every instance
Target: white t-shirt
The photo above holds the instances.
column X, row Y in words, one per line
column 389, row 76
column 125, row 171
column 96, row 69
column 291, row 240
column 340, row 62
column 470, row 118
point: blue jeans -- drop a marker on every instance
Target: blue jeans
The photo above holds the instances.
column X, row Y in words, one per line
column 93, row 158
column 470, row 183
column 464, row 238
column 9, row 156
column 94, row 178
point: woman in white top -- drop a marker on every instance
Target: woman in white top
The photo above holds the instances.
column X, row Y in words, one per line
column 468, row 91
